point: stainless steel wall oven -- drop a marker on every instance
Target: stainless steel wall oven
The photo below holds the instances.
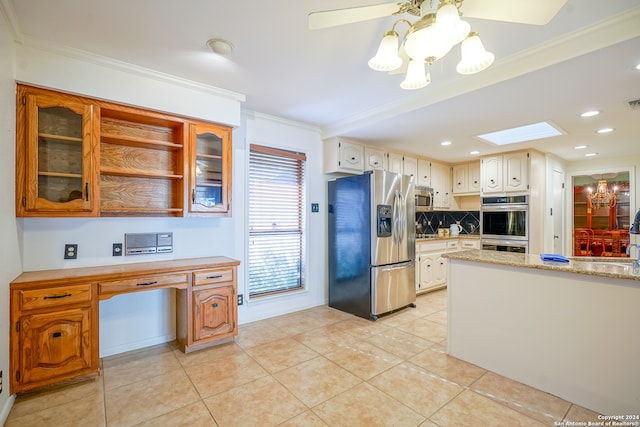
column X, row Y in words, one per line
column 504, row 223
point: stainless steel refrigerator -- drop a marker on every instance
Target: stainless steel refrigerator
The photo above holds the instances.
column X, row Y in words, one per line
column 371, row 243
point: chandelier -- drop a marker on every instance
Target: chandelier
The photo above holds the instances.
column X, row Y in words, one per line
column 602, row 198
column 429, row 39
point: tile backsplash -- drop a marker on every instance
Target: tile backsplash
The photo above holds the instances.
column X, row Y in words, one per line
column 431, row 221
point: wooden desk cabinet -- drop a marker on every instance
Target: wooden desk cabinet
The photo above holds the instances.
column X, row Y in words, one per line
column 54, row 314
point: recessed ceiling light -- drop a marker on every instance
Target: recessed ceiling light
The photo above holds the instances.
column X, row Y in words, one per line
column 580, row 147
column 590, row 113
column 637, row 67
column 474, row 153
column 591, row 154
column 445, row 143
column 604, row 130
column 521, row 134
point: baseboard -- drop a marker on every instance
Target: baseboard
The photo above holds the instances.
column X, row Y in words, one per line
column 104, row 352
column 4, row 413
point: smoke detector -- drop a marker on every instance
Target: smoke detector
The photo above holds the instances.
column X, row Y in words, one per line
column 220, row 46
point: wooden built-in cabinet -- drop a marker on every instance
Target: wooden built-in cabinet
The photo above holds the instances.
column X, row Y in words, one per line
column 56, row 155
column 210, row 168
column 77, row 156
column 54, row 314
column 53, row 334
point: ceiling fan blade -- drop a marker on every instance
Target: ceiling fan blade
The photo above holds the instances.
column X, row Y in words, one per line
column 333, row 18
column 534, row 12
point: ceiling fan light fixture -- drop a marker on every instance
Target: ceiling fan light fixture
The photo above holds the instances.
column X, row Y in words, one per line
column 475, row 58
column 450, row 25
column 416, row 77
column 424, row 40
column 387, row 58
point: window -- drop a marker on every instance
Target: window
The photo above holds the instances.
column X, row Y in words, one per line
column 276, row 221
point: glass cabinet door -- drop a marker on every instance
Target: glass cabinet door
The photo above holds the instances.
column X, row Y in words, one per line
column 59, row 155
column 210, row 168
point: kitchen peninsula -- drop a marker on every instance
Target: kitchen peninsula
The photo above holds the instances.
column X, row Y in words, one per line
column 566, row 328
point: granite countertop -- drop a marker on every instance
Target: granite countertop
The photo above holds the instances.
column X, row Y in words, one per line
column 435, row 237
column 618, row 268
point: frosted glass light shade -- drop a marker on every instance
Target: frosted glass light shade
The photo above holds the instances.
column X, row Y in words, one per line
column 387, row 58
column 416, row 77
column 425, row 40
column 474, row 56
column 450, row 25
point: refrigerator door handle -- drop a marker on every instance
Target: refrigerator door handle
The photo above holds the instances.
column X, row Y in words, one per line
column 403, row 218
column 399, row 266
column 396, row 226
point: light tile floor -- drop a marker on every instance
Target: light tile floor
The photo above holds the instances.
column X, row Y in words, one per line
column 318, row 367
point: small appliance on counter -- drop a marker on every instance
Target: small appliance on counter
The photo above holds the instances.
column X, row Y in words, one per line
column 371, row 239
column 454, row 230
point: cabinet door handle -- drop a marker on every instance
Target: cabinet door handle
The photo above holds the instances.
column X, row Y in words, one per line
column 215, row 304
column 147, row 284
column 56, row 334
column 86, row 191
column 215, row 276
column 57, row 296
column 193, row 195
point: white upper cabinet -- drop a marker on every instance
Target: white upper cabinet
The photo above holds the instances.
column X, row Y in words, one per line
column 395, row 162
column 424, row 173
column 460, row 175
column 474, row 177
column 441, row 183
column 343, row 156
column 374, row 159
column 466, row 178
column 516, row 172
column 506, row 173
column 410, row 166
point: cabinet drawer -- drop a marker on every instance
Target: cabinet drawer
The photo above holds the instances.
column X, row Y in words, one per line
column 470, row 244
column 437, row 246
column 452, row 245
column 55, row 296
column 144, row 283
column 213, row 276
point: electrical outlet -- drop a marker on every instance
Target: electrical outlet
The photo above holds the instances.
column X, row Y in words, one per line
column 70, row 251
column 117, row 249
column 315, row 207
column 240, row 299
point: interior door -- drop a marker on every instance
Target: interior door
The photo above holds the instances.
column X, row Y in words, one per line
column 558, row 212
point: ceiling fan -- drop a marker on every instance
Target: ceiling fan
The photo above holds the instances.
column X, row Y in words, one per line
column 436, row 32
column 534, row 12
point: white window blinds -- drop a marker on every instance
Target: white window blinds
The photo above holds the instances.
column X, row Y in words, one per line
column 276, row 220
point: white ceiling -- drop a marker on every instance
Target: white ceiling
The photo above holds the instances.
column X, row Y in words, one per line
column 582, row 59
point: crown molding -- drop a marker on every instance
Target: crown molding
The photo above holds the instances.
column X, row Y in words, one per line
column 9, row 12
column 81, row 55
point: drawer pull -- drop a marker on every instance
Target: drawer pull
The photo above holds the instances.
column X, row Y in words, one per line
column 56, row 334
column 215, row 276
column 57, row 296
column 147, row 284
column 215, row 304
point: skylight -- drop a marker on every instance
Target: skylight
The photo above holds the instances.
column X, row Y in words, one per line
column 522, row 134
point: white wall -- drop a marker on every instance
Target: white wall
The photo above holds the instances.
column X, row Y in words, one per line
column 274, row 132
column 137, row 320
column 10, row 230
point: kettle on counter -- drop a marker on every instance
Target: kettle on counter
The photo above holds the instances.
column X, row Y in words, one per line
column 455, row 229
